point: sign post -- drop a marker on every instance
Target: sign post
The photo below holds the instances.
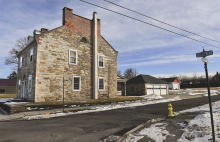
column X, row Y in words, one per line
column 205, row 60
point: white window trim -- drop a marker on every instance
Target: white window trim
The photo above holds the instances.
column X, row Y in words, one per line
column 32, row 48
column 20, row 62
column 29, row 89
column 79, row 83
column 103, row 61
column 104, row 84
column 76, row 57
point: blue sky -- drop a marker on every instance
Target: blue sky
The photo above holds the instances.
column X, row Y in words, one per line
column 148, row 49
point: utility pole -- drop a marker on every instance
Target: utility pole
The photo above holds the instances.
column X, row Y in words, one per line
column 205, row 60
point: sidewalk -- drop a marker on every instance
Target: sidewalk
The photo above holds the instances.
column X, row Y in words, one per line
column 17, row 116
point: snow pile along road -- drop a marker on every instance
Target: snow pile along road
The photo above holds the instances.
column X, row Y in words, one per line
column 103, row 108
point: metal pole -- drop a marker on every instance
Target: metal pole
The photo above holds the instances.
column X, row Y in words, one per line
column 210, row 101
column 63, row 94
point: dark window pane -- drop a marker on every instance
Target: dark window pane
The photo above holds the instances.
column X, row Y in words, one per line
column 2, row 90
column 76, row 86
column 76, row 80
column 101, row 83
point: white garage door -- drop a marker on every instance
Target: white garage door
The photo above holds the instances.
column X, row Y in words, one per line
column 175, row 86
column 163, row 90
column 150, row 89
column 157, row 89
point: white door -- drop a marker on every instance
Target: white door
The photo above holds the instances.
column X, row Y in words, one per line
column 150, row 89
column 23, row 91
column 157, row 89
column 163, row 89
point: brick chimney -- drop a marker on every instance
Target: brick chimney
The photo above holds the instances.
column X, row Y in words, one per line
column 67, row 12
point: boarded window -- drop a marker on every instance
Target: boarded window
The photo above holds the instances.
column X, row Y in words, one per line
column 76, row 83
column 101, row 84
column 72, row 57
column 101, row 61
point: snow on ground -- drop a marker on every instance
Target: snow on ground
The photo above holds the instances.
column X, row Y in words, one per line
column 103, row 108
column 152, row 96
column 197, row 130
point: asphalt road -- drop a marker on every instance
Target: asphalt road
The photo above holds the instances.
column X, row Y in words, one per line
column 90, row 127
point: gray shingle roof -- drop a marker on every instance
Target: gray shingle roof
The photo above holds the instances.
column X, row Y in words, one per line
column 146, row 79
column 172, row 79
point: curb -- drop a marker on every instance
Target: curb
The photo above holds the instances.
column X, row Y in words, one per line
column 139, row 127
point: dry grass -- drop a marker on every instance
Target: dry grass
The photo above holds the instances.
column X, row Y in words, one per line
column 7, row 95
column 82, row 102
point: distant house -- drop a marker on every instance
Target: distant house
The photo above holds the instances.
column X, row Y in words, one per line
column 7, row 86
column 146, row 85
column 174, row 83
column 121, row 84
column 215, row 78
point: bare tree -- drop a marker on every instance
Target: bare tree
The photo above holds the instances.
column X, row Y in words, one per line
column 130, row 72
column 119, row 72
column 12, row 59
column 13, row 75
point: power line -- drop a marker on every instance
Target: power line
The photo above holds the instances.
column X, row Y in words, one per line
column 149, row 23
column 161, row 21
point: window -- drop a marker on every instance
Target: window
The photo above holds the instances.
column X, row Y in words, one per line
column 101, row 61
column 84, row 39
column 72, row 57
column 76, row 83
column 29, row 83
column 2, row 90
column 20, row 62
column 19, row 84
column 31, row 54
column 101, row 84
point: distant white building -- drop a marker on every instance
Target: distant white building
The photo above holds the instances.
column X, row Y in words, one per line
column 174, row 83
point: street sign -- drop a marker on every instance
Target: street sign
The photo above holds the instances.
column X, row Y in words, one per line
column 204, row 53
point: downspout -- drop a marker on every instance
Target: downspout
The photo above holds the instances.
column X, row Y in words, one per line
column 95, row 61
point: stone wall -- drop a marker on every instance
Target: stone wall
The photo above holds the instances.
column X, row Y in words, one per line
column 28, row 68
column 53, row 65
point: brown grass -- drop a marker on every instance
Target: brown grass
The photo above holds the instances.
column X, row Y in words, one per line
column 7, row 95
column 81, row 102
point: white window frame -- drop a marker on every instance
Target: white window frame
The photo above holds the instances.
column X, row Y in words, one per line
column 103, row 85
column 103, row 61
column 79, row 83
column 20, row 65
column 76, row 57
column 29, row 83
column 31, row 54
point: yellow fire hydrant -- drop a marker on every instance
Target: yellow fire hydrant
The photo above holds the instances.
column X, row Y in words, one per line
column 170, row 110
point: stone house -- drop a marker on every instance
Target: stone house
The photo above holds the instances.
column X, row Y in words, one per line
column 146, row 85
column 174, row 83
column 7, row 86
column 74, row 52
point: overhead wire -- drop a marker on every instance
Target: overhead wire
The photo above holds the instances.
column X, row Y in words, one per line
column 149, row 24
column 161, row 21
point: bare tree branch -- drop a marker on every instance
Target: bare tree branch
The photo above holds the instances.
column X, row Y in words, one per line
column 12, row 59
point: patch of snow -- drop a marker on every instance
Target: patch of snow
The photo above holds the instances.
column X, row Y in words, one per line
column 156, row 132
column 152, row 96
column 132, row 138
